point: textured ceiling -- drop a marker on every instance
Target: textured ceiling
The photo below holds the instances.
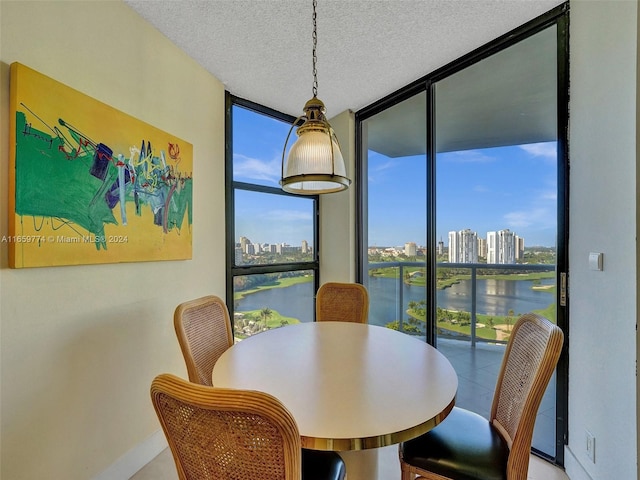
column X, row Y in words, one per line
column 261, row 49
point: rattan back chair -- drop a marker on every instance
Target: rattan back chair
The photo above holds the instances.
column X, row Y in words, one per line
column 204, row 332
column 344, row 302
column 220, row 433
column 217, row 433
column 466, row 445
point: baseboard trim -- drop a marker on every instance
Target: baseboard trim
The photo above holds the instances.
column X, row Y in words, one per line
column 573, row 468
column 136, row 458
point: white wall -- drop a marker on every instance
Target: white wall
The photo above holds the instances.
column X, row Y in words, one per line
column 603, row 305
column 80, row 345
column 338, row 213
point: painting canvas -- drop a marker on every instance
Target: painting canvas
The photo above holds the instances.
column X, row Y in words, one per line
column 90, row 184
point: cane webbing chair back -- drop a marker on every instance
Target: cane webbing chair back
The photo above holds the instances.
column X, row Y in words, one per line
column 344, row 302
column 204, row 332
column 219, row 433
column 531, row 357
column 445, row 452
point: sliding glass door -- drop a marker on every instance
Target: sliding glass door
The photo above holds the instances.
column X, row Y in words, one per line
column 463, row 213
column 496, row 212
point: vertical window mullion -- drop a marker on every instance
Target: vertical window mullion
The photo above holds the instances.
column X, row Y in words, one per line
column 431, row 215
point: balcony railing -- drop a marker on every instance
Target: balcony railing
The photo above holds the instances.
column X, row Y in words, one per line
column 474, row 268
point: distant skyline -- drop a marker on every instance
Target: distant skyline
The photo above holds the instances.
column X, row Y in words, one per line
column 491, row 189
column 511, row 187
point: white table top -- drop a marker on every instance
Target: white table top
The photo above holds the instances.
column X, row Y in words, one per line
column 349, row 386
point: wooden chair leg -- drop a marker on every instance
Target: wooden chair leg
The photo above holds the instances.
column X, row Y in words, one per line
column 406, row 472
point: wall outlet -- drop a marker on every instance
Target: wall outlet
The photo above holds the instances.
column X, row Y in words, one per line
column 591, row 446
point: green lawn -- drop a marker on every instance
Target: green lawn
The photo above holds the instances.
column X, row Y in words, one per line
column 489, row 322
column 420, row 280
column 274, row 320
column 281, row 282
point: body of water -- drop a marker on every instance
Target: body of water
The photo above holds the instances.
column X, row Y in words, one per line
column 295, row 301
column 493, row 297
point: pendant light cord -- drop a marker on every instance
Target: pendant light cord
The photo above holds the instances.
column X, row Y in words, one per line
column 315, row 58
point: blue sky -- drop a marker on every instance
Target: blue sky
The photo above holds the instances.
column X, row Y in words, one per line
column 484, row 190
column 257, row 158
column 511, row 187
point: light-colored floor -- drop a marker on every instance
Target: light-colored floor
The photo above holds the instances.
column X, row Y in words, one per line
column 162, row 468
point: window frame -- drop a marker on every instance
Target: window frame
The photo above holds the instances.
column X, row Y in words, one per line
column 231, row 186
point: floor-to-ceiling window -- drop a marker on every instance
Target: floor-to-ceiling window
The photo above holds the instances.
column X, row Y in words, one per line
column 396, row 230
column 463, row 208
column 272, row 236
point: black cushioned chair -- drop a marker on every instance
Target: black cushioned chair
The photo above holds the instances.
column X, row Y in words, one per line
column 466, row 446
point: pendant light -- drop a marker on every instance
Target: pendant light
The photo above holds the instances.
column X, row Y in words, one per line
column 314, row 164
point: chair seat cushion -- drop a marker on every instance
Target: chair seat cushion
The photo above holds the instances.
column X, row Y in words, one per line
column 320, row 465
column 465, row 446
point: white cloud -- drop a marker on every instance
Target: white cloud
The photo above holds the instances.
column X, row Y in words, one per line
column 547, row 150
column 287, row 216
column 468, row 156
column 549, row 195
column 379, row 168
column 256, row 169
column 527, row 218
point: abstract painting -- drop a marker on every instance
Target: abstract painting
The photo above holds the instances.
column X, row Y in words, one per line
column 90, row 184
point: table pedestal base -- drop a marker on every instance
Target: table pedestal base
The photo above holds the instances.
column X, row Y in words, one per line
column 361, row 464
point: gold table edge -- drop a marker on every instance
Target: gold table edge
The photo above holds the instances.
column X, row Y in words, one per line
column 376, row 441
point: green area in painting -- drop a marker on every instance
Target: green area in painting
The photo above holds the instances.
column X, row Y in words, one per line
column 52, row 183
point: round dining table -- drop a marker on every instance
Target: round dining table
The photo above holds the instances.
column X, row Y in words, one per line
column 351, row 387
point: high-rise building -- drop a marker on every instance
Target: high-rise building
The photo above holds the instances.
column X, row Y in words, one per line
column 305, row 246
column 519, row 248
column 453, row 247
column 463, row 247
column 440, row 247
column 410, row 249
column 244, row 241
column 501, row 247
column 492, row 242
column 482, row 247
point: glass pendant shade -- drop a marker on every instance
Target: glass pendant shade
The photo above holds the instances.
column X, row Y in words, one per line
column 315, row 164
